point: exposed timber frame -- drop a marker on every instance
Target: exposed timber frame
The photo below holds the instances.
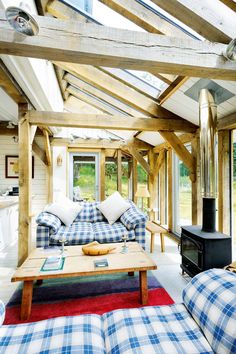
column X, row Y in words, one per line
column 93, row 43
column 61, row 119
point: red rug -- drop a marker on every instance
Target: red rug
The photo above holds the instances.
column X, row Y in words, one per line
column 43, row 307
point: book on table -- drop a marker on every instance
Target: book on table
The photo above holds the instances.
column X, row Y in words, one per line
column 53, row 263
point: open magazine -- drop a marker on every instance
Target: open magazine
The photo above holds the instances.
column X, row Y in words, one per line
column 53, row 263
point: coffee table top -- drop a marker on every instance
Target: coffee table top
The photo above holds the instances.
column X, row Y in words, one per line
column 77, row 264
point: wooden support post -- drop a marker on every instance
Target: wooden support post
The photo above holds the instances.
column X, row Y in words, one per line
column 151, row 187
column 119, row 171
column 134, row 180
column 102, row 174
column 162, row 194
column 130, row 179
column 49, row 183
column 25, row 173
column 47, row 147
column 196, row 184
column 170, row 189
column 224, row 181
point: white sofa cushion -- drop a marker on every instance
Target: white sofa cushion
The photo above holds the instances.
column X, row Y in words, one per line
column 113, row 207
column 65, row 210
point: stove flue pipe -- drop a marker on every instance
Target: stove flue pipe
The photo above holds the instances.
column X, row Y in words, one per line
column 208, row 153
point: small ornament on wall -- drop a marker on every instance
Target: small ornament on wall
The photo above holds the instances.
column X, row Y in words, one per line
column 59, row 160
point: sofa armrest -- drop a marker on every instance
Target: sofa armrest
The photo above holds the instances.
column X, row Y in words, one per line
column 42, row 236
column 49, row 220
column 133, row 217
column 2, row 312
column 140, row 234
column 210, row 299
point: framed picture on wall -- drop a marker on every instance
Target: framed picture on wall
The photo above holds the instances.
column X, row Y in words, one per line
column 12, row 166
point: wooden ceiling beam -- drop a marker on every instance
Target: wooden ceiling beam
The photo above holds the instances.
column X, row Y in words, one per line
column 61, row 119
column 210, row 19
column 69, row 41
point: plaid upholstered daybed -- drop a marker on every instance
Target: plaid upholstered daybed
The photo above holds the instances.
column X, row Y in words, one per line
column 204, row 323
column 90, row 225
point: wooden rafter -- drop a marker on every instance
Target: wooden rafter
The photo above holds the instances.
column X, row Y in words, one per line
column 172, row 88
column 230, row 3
column 227, row 122
column 61, row 119
column 9, row 85
column 75, row 105
column 180, row 150
column 96, row 92
column 89, row 43
column 60, row 10
column 211, row 21
column 91, row 100
column 117, row 89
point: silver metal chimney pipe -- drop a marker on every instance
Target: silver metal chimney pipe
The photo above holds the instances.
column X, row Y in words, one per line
column 208, row 142
column 208, row 152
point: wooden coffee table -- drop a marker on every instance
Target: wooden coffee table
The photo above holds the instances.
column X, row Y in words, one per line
column 77, row 264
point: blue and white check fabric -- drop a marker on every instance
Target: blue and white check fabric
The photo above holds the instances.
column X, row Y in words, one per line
column 210, row 298
column 86, row 213
column 78, row 233
column 133, row 217
column 2, row 312
column 152, row 330
column 77, row 334
column 50, row 220
column 105, row 233
column 42, row 236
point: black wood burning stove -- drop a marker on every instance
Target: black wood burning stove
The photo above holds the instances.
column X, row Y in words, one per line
column 202, row 247
column 202, row 250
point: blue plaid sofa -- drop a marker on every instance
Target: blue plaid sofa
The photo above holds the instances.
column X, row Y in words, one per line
column 90, row 225
column 204, row 323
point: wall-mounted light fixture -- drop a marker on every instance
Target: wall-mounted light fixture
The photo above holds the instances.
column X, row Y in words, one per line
column 15, row 139
column 59, row 160
column 21, row 21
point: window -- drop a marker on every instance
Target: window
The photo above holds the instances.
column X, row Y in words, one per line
column 182, row 195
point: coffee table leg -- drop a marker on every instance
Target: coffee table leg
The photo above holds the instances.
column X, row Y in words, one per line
column 143, row 287
column 26, row 300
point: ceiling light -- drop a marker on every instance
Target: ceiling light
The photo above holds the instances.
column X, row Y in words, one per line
column 21, row 21
column 230, row 52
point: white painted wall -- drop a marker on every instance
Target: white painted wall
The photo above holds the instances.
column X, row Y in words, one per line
column 60, row 173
